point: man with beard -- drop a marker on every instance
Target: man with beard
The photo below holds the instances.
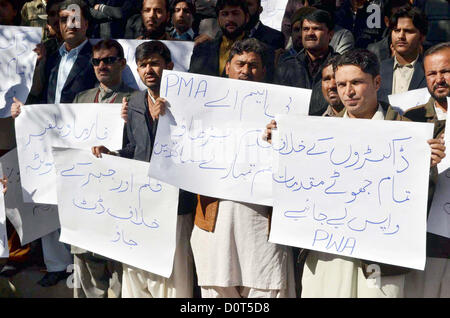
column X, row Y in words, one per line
column 233, row 256
column 144, row 109
column 259, row 31
column 329, row 89
column 404, row 71
column 434, row 281
column 151, row 23
column 182, row 18
column 209, row 58
column 304, row 70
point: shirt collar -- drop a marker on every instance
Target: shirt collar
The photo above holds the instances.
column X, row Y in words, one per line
column 411, row 65
column 189, row 33
column 379, row 114
column 63, row 51
column 253, row 30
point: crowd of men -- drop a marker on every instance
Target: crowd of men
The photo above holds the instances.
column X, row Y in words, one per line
column 325, row 46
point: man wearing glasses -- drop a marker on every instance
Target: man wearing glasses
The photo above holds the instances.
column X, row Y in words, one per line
column 94, row 274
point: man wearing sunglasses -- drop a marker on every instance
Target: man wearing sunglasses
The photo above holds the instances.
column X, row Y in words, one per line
column 95, row 274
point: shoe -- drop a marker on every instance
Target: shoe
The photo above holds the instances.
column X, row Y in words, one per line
column 11, row 269
column 52, row 278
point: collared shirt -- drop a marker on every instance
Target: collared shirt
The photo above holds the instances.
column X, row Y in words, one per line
column 186, row 36
column 106, row 95
column 329, row 112
column 379, row 114
column 440, row 114
column 68, row 59
column 225, row 49
column 402, row 76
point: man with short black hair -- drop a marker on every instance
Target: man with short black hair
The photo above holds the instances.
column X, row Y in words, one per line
column 357, row 74
column 68, row 72
column 151, row 23
column 96, row 274
column 305, row 69
column 209, row 58
column 144, row 109
column 434, row 280
column 233, row 256
column 183, row 12
column 329, row 89
column 404, row 71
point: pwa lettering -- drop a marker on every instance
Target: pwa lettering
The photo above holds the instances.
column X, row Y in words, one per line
column 185, row 87
column 336, row 243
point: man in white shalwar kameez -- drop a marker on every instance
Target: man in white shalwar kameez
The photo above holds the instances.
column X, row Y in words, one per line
column 232, row 254
column 334, row 276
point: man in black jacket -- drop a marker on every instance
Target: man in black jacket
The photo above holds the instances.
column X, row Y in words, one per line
column 305, row 69
column 259, row 31
column 209, row 58
column 404, row 71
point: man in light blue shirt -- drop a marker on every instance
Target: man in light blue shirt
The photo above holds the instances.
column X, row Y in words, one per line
column 68, row 72
column 182, row 18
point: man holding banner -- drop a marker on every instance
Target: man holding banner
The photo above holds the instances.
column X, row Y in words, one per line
column 94, row 274
column 232, row 254
column 434, row 280
column 357, row 76
column 68, row 72
column 144, row 109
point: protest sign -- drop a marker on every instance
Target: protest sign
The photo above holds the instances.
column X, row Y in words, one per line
column 340, row 188
column 210, row 140
column 17, row 62
column 111, row 207
column 31, row 220
column 67, row 125
column 273, row 12
column 180, row 52
column 439, row 218
column 403, row 101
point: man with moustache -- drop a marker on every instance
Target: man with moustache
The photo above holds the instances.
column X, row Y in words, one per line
column 144, row 109
column 151, row 23
column 209, row 58
column 434, row 281
column 404, row 71
column 329, row 89
column 304, row 70
column 233, row 256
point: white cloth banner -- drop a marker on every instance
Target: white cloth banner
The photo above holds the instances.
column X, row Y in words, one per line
column 66, row 125
column 439, row 218
column 341, row 188
column 180, row 52
column 111, row 207
column 31, row 220
column 403, row 101
column 17, row 62
column 210, row 140
column 273, row 12
column 4, row 249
